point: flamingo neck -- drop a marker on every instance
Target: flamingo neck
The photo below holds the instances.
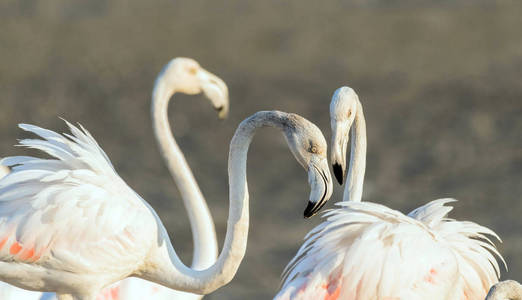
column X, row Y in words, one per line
column 355, row 178
column 201, row 223
column 165, row 266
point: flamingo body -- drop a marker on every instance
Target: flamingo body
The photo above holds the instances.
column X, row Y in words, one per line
column 75, row 224
column 369, row 251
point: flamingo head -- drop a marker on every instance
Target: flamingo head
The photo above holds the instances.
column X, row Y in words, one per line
column 308, row 145
column 343, row 108
column 185, row 75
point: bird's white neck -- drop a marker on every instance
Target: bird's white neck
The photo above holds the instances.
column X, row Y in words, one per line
column 202, row 225
column 164, row 266
column 355, row 178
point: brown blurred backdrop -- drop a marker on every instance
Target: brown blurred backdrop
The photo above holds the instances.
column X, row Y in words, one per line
column 440, row 84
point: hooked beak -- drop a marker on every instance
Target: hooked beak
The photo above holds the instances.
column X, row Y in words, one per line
column 216, row 91
column 320, row 180
column 340, row 138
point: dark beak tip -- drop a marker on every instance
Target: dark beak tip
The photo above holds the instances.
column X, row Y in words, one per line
column 221, row 113
column 313, row 208
column 338, row 172
column 309, row 210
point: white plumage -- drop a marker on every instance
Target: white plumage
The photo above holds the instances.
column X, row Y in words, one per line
column 71, row 225
column 54, row 213
column 7, row 291
column 369, row 251
column 365, row 250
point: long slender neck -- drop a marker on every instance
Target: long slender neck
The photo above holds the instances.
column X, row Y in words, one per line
column 355, row 178
column 166, row 268
column 201, row 223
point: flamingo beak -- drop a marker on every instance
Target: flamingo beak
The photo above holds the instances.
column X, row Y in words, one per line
column 340, row 139
column 320, row 180
column 216, row 91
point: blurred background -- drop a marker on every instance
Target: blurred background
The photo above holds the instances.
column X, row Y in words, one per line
column 440, row 83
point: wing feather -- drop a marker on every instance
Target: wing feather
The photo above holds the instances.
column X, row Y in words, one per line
column 72, row 212
column 369, row 251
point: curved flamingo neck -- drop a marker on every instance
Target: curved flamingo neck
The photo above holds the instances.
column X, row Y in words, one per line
column 165, row 266
column 201, row 223
column 355, row 177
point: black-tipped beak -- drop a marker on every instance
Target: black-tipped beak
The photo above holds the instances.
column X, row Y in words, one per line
column 219, row 110
column 338, row 173
column 222, row 111
column 321, row 183
column 215, row 90
column 313, row 208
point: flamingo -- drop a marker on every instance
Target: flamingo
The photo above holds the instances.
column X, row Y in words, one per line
column 505, row 290
column 71, row 225
column 364, row 250
column 172, row 78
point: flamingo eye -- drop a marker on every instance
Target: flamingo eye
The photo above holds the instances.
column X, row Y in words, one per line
column 313, row 149
column 193, row 70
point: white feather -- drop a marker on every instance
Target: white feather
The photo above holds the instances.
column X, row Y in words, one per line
column 379, row 252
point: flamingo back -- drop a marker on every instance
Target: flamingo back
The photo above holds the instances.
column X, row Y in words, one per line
column 368, row 251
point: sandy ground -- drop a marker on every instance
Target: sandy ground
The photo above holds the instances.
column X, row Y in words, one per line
column 440, row 84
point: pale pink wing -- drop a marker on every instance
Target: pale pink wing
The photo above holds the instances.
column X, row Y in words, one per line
column 368, row 251
column 72, row 212
column 476, row 253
